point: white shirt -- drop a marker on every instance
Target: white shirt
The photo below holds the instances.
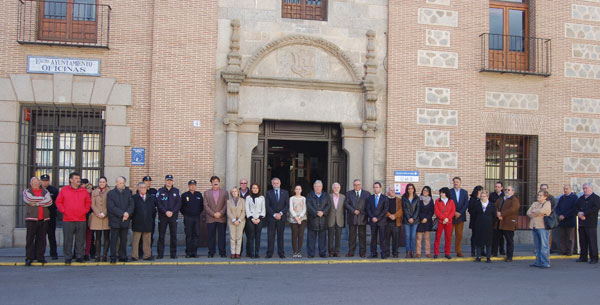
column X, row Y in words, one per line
column 444, row 200
column 484, row 205
column 457, row 193
column 255, row 208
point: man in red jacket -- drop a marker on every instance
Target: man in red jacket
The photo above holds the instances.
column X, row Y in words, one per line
column 74, row 203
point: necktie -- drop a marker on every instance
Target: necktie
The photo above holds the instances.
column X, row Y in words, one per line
column 376, row 200
column 357, row 195
column 277, row 194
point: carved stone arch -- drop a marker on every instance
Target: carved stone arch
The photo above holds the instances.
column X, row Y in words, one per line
column 298, row 39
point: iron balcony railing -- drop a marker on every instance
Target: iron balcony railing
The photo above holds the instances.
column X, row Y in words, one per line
column 516, row 54
column 81, row 23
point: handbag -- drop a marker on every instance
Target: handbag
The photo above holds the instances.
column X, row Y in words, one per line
column 434, row 226
column 550, row 222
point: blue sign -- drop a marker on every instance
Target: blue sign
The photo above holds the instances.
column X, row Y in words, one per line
column 406, row 176
column 138, row 156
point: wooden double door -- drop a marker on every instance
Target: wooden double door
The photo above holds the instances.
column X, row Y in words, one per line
column 299, row 153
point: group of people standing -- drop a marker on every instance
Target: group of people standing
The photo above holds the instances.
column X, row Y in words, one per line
column 245, row 210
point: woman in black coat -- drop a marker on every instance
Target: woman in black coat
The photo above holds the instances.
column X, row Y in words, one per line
column 426, row 209
column 472, row 202
column 485, row 213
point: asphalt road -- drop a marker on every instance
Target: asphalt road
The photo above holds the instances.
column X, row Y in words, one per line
column 439, row 282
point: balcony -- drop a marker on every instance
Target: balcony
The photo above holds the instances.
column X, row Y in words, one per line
column 80, row 23
column 515, row 54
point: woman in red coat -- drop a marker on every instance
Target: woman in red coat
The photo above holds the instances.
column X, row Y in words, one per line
column 444, row 211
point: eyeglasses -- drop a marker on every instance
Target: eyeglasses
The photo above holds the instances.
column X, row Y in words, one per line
column 243, row 182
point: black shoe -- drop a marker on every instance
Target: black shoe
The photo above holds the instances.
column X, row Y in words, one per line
column 395, row 255
column 133, row 259
column 478, row 260
column 383, row 256
column 268, row 256
column 311, row 256
column 494, row 254
column 54, row 257
column 159, row 257
column 68, row 261
column 123, row 260
column 211, row 255
column 105, row 258
column 42, row 261
column 79, row 260
column 28, row 262
column 187, row 256
column 149, row 258
column 594, row 261
column 489, row 260
column 508, row 260
column 448, row 257
column 173, row 256
column 435, row 257
column 113, row 260
column 193, row 255
column 282, row 256
column 86, row 258
column 502, row 253
column 533, row 265
column 373, row 255
column 325, row 256
column 224, row 255
column 581, row 260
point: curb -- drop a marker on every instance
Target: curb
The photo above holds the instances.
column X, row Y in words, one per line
column 284, row 262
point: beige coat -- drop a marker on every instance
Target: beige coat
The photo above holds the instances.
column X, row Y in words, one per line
column 236, row 212
column 336, row 216
column 99, row 206
column 536, row 212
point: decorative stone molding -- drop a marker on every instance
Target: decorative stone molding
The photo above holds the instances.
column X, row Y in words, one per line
column 442, row 117
column 438, row 17
column 233, row 74
column 582, row 31
column 437, row 138
column 585, row 51
column 512, row 100
column 439, row 96
column 585, row 12
column 582, row 125
column 437, row 59
column 437, row 38
column 577, row 183
column 298, row 39
column 439, row 2
column 430, row 159
column 585, row 145
column 370, row 79
column 355, row 86
column 582, row 165
column 577, row 70
column 585, row 105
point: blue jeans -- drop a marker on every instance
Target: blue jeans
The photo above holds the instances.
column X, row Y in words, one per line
column 542, row 249
column 410, row 232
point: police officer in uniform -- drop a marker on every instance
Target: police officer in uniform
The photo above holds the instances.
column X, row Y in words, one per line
column 168, row 204
column 192, row 205
column 150, row 191
column 51, row 232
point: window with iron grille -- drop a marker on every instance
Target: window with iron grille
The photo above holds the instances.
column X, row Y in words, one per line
column 512, row 160
column 304, row 9
column 57, row 141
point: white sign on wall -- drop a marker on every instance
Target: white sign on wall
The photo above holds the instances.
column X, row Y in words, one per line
column 51, row 65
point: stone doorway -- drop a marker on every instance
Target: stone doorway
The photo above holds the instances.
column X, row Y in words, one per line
column 299, row 153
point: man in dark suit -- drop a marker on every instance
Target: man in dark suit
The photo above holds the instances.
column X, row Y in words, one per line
column 318, row 207
column 277, row 205
column 461, row 202
column 587, row 211
column 357, row 218
column 377, row 207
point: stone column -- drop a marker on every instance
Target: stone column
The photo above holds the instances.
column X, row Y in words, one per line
column 233, row 76
column 352, row 136
column 9, row 123
column 368, row 156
